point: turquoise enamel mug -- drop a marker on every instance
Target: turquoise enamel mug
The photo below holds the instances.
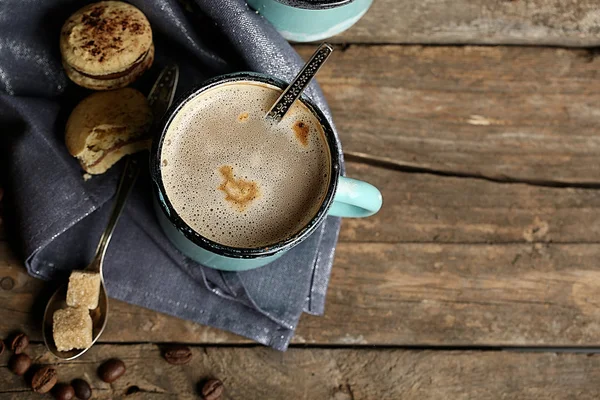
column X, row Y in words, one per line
column 345, row 197
column 311, row 20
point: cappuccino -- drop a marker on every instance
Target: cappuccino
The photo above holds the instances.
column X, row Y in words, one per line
column 241, row 180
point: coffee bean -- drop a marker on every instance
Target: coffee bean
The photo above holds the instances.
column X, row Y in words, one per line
column 63, row 391
column 19, row 364
column 19, row 343
column 6, row 283
column 212, row 389
column 2, row 346
column 44, row 379
column 178, row 355
column 111, row 370
column 83, row 390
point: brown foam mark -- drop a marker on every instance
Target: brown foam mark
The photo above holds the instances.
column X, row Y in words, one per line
column 238, row 192
column 301, row 130
column 243, row 117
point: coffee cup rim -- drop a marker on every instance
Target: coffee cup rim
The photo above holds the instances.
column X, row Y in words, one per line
column 315, row 4
column 169, row 211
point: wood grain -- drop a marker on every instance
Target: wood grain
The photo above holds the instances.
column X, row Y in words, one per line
column 443, row 209
column 506, row 113
column 531, row 22
column 396, row 294
column 448, row 261
column 342, row 374
column 421, row 207
column 429, row 294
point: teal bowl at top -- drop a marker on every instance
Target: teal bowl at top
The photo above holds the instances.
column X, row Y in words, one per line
column 311, row 20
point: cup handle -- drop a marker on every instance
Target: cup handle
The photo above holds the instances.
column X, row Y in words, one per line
column 355, row 199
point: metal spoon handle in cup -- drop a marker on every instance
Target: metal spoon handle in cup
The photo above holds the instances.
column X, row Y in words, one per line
column 300, row 82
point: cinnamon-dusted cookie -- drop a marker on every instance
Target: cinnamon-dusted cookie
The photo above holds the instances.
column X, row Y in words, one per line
column 106, row 45
column 106, row 126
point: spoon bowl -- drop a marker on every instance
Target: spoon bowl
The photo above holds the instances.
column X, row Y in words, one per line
column 58, row 301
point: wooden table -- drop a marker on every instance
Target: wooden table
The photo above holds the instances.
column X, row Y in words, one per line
column 480, row 277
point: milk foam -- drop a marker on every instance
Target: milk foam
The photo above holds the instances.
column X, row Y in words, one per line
column 279, row 177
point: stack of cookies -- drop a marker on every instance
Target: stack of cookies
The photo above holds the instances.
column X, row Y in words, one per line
column 107, row 46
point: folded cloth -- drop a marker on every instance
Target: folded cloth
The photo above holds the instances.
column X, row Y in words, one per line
column 59, row 217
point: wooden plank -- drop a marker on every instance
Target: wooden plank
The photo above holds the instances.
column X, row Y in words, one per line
column 341, row 374
column 442, row 209
column 429, row 294
column 385, row 292
column 508, row 113
column 396, row 294
column 531, row 22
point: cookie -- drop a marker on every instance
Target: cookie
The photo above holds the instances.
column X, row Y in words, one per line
column 104, row 83
column 106, row 126
column 106, row 45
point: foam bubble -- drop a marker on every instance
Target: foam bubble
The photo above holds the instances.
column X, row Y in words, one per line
column 224, row 127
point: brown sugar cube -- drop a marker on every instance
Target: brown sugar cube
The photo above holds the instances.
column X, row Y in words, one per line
column 72, row 328
column 83, row 289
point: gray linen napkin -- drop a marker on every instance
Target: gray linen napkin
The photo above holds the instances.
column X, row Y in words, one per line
column 58, row 217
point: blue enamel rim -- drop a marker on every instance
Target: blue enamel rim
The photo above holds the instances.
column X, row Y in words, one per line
column 315, row 4
column 228, row 251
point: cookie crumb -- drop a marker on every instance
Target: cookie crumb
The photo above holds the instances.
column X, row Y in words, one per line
column 87, row 177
